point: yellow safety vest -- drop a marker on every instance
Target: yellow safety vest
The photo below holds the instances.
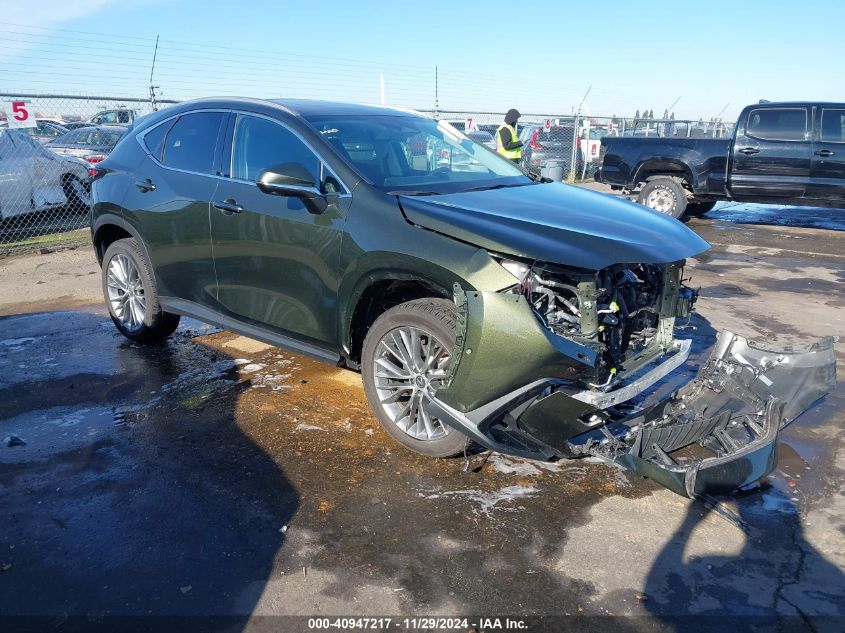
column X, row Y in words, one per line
column 513, row 154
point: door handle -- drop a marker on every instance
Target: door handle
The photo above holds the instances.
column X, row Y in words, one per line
column 749, row 150
column 145, row 185
column 228, row 206
column 824, row 152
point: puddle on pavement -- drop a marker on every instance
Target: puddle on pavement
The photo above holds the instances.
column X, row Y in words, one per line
column 780, row 215
column 54, row 431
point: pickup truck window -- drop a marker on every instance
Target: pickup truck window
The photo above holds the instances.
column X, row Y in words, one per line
column 777, row 124
column 833, row 125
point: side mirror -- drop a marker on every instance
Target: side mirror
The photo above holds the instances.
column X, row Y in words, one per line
column 292, row 179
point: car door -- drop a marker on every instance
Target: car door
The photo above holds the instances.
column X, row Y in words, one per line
column 45, row 174
column 277, row 263
column 169, row 205
column 827, row 174
column 771, row 153
column 15, row 174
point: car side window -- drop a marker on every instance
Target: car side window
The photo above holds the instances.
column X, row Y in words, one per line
column 777, row 124
column 833, row 125
column 259, row 143
column 190, row 143
column 154, row 139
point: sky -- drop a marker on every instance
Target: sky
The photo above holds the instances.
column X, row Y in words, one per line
column 712, row 57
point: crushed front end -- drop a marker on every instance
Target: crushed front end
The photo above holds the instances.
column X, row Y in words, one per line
column 561, row 364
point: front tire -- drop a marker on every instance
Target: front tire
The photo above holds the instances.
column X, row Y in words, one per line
column 664, row 195
column 405, row 358
column 131, row 295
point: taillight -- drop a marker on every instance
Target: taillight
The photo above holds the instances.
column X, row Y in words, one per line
column 535, row 144
column 95, row 158
column 97, row 172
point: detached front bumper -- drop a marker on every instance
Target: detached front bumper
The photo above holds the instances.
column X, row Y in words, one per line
column 513, row 389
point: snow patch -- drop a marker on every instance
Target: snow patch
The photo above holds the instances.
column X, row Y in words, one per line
column 487, row 501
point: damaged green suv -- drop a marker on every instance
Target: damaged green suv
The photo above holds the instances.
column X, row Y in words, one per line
column 477, row 303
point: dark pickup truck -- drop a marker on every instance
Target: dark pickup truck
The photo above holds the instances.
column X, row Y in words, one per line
column 783, row 153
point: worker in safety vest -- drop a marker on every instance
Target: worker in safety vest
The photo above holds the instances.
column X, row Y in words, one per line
column 507, row 142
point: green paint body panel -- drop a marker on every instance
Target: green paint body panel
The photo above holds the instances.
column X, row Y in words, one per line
column 501, row 346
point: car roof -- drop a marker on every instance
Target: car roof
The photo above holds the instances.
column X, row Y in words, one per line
column 306, row 108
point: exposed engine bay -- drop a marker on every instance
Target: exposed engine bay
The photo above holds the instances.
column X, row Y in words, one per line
column 622, row 311
column 579, row 344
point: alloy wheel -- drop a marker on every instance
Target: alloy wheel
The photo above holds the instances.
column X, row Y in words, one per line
column 126, row 293
column 410, row 365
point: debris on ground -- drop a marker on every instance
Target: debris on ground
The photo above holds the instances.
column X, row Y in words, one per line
column 13, row 440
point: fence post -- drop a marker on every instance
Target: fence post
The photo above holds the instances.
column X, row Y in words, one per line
column 572, row 168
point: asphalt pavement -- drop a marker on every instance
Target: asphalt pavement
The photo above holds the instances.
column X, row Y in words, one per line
column 217, row 476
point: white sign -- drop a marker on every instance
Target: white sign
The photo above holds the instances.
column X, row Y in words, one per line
column 468, row 124
column 18, row 114
column 548, row 125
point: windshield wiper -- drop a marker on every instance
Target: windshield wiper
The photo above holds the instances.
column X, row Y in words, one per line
column 412, row 192
column 500, row 186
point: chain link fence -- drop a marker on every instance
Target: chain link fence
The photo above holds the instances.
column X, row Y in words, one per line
column 48, row 144
column 45, row 167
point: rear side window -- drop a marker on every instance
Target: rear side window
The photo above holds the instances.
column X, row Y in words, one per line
column 260, row 143
column 154, row 139
column 777, row 124
column 833, row 125
column 72, row 138
column 191, row 142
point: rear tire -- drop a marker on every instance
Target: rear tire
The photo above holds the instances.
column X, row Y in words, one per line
column 664, row 195
column 406, row 353
column 131, row 295
column 78, row 194
column 700, row 208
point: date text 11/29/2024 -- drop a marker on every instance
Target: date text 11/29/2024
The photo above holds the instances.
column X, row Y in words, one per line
column 418, row 624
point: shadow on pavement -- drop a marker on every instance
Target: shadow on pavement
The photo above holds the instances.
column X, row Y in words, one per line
column 137, row 492
column 776, row 582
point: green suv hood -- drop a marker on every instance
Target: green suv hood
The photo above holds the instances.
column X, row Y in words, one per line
column 556, row 223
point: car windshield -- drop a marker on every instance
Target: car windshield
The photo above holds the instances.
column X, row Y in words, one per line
column 407, row 153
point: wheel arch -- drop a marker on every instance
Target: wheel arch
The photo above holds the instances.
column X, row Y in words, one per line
column 376, row 293
column 109, row 228
column 668, row 168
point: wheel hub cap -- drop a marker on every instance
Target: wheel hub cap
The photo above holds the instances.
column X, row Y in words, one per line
column 410, row 365
column 661, row 200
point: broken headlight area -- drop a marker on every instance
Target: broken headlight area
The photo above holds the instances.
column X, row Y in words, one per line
column 624, row 313
column 517, row 386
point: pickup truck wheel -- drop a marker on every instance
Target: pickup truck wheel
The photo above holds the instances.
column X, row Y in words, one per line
column 131, row 295
column 404, row 361
column 664, row 195
column 700, row 208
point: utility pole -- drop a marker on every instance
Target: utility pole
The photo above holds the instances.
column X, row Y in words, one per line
column 436, row 95
column 674, row 103
column 153, row 103
column 575, row 133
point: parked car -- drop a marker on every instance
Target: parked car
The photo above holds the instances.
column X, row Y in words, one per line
column 485, row 138
column 90, row 143
column 44, row 131
column 117, row 116
column 781, row 153
column 549, row 154
column 477, row 304
column 33, row 178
